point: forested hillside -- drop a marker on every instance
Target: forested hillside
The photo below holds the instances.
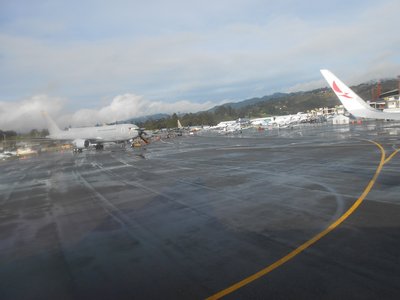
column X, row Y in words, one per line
column 276, row 104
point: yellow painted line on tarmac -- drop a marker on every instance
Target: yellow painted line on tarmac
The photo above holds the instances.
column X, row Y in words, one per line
column 391, row 156
column 316, row 238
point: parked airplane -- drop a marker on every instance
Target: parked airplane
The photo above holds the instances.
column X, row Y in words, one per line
column 85, row 137
column 7, row 154
column 354, row 103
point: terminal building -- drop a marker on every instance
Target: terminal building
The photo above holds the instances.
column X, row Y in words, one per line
column 388, row 101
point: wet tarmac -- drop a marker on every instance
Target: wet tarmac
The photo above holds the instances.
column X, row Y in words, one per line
column 188, row 217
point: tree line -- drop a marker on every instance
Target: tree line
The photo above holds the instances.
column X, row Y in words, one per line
column 290, row 104
column 283, row 104
column 13, row 135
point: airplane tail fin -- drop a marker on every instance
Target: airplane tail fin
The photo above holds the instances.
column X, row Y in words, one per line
column 353, row 103
column 179, row 125
column 51, row 125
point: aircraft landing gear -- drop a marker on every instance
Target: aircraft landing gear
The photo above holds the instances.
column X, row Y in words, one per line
column 77, row 150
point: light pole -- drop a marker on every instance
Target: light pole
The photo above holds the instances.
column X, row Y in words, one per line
column 4, row 142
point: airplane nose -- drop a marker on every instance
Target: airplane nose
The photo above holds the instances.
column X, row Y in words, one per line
column 132, row 131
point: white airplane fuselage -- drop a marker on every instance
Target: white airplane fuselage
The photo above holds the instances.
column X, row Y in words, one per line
column 107, row 133
column 84, row 137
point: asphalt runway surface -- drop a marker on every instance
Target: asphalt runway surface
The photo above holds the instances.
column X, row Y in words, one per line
column 193, row 216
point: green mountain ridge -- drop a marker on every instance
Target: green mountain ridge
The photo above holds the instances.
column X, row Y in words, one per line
column 270, row 105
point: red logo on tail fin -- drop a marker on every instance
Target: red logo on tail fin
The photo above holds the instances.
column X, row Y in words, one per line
column 338, row 90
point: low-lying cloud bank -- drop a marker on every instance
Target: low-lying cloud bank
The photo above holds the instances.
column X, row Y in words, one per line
column 25, row 115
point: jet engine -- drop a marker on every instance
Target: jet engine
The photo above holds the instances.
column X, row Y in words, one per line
column 81, row 143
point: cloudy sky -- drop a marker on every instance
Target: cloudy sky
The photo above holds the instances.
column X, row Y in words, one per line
column 97, row 61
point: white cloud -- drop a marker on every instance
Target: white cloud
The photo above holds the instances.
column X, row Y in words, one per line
column 236, row 58
column 25, row 115
column 128, row 106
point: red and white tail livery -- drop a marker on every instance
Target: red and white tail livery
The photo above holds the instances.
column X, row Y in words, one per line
column 353, row 103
